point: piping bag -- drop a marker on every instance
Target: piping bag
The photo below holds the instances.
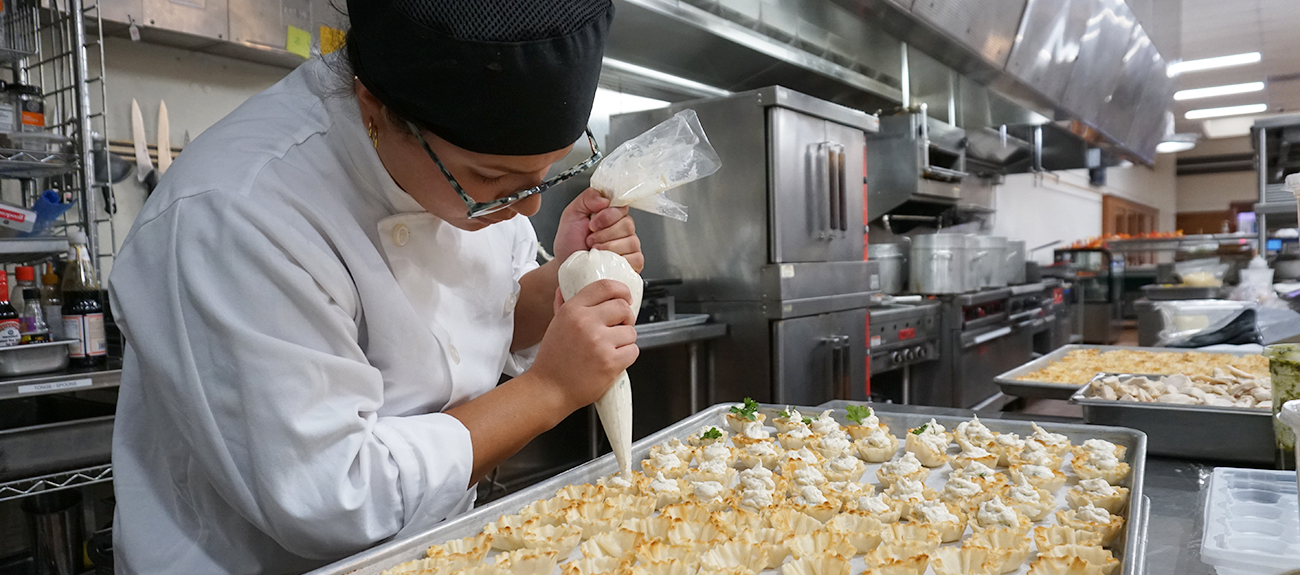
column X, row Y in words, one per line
column 615, row 406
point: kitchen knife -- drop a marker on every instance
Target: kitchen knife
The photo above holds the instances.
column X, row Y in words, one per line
column 164, row 138
column 143, row 165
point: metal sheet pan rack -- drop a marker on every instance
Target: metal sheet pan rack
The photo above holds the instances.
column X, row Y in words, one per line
column 55, row 482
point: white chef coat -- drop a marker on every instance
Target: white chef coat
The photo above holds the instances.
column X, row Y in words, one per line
column 295, row 324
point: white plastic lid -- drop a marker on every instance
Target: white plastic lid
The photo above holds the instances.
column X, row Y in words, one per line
column 1289, row 414
column 1293, row 183
column 76, row 236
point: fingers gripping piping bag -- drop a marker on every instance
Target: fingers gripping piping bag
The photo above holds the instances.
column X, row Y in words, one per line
column 639, row 171
column 615, row 406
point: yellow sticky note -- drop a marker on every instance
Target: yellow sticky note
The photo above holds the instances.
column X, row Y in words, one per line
column 299, row 42
column 331, row 39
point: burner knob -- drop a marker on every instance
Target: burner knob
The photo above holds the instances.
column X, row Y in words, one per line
column 921, row 352
column 910, row 354
column 897, row 357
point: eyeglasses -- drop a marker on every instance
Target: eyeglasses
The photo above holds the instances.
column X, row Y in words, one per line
column 477, row 209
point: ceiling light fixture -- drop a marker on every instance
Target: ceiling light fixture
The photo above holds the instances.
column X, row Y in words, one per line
column 1195, row 93
column 1177, row 68
column 1225, row 111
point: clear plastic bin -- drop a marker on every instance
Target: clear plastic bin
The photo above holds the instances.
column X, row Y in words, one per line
column 1252, row 522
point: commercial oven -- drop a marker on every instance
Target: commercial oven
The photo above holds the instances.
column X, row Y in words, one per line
column 774, row 245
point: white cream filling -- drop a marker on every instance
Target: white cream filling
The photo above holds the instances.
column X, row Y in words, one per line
column 1097, row 487
column 837, row 442
column 879, row 438
column 619, row 482
column 715, row 451
column 810, row 495
column 908, row 490
column 1091, row 514
column 844, row 464
column 824, row 424
column 935, row 512
column 1048, row 438
column 756, row 498
column 799, row 432
column 1023, row 493
column 714, row 467
column 754, row 430
column 808, row 476
column 996, row 513
column 975, row 431
column 761, row 449
column 802, row 454
column 906, row 465
column 973, row 451
column 874, row 504
column 662, row 485
column 668, row 460
column 962, row 487
column 976, row 469
column 1037, row 472
column 1009, row 441
column 708, row 490
column 757, row 478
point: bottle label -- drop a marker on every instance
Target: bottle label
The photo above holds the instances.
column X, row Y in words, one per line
column 53, row 313
column 10, row 333
column 88, row 331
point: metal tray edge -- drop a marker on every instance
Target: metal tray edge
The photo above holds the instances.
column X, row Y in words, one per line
column 1010, row 385
column 1079, row 398
column 1134, row 531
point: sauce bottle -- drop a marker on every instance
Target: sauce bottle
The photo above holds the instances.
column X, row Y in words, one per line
column 26, row 277
column 83, row 313
column 10, row 327
column 34, row 328
column 52, row 303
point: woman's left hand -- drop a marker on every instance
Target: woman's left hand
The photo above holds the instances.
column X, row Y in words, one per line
column 589, row 222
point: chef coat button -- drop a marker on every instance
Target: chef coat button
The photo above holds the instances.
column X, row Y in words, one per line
column 455, row 355
column 511, row 300
column 401, row 234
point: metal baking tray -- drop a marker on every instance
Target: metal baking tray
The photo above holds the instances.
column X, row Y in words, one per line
column 33, row 358
column 1229, row 434
column 1172, row 293
column 1130, row 548
column 1046, row 390
column 45, row 434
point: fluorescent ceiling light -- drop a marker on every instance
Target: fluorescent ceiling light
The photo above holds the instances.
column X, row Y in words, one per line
column 1211, row 63
column 1195, row 93
column 1172, row 147
column 1226, row 111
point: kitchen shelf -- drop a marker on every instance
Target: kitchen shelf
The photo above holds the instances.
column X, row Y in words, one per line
column 34, row 164
column 55, row 482
column 23, row 250
column 59, row 382
column 1179, row 242
column 8, row 55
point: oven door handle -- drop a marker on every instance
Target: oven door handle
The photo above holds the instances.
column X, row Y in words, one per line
column 987, row 337
column 842, row 185
column 839, row 364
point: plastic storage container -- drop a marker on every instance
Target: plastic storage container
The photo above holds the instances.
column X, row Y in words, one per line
column 1252, row 522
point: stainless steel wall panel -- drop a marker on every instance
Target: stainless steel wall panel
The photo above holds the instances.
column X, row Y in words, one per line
column 987, row 28
column 721, row 250
column 122, row 11
column 1148, row 127
column 1101, row 60
column 266, row 22
column 1121, row 107
column 1047, row 45
column 817, row 357
column 205, row 18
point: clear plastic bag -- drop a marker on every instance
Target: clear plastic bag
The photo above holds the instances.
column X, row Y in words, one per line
column 639, row 171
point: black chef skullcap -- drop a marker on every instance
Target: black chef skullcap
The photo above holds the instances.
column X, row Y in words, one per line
column 510, row 77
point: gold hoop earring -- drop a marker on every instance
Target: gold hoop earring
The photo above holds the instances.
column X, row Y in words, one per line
column 374, row 135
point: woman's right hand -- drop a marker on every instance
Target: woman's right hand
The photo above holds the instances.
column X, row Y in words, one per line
column 590, row 341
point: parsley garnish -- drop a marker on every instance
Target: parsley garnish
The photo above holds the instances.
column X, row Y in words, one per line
column 858, row 413
column 749, row 410
column 784, row 414
column 712, row 433
column 807, row 421
column 920, row 430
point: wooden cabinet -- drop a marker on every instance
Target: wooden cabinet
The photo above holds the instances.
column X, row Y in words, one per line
column 1121, row 216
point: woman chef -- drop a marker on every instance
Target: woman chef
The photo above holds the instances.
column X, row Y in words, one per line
column 323, row 294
